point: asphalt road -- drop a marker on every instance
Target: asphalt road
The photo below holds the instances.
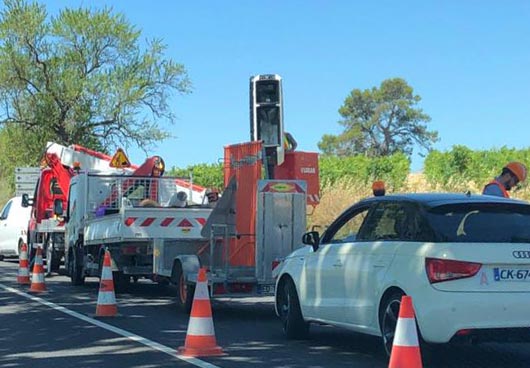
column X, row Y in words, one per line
column 55, row 329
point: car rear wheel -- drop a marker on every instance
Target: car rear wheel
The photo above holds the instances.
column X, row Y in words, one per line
column 388, row 318
column 294, row 325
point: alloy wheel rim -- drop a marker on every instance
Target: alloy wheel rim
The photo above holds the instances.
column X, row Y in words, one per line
column 286, row 305
column 389, row 324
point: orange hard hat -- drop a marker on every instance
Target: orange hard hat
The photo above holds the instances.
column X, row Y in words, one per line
column 517, row 169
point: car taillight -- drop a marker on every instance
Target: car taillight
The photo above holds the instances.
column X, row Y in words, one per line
column 439, row 270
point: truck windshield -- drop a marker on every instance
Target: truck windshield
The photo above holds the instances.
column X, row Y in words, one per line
column 482, row 223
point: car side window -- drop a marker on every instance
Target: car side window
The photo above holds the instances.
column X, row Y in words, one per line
column 348, row 231
column 5, row 211
column 390, row 221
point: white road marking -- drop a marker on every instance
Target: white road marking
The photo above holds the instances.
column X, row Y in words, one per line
column 131, row 336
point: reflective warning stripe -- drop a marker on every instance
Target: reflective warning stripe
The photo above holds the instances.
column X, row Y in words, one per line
column 201, row 326
column 106, row 274
column 38, row 278
column 148, row 221
column 106, row 297
column 23, row 271
column 201, row 292
column 167, row 221
column 406, row 334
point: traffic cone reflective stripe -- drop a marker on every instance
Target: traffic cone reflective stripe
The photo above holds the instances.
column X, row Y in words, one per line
column 106, row 306
column 37, row 279
column 23, row 266
column 200, row 337
column 406, row 347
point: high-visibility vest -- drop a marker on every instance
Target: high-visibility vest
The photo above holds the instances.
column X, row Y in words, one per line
column 501, row 187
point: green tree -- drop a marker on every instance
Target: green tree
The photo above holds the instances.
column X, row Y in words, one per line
column 83, row 77
column 380, row 122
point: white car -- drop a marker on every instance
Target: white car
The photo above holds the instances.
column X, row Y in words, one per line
column 13, row 227
column 464, row 260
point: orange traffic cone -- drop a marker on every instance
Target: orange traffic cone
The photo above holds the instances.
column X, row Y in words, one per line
column 23, row 268
column 405, row 347
column 106, row 306
column 37, row 279
column 200, row 338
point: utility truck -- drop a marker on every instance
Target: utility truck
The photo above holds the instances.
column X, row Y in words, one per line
column 126, row 213
column 58, row 166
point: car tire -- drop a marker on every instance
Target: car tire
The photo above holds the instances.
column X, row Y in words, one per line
column 185, row 291
column 294, row 326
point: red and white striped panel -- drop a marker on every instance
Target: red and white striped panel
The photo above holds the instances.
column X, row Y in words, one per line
column 166, row 222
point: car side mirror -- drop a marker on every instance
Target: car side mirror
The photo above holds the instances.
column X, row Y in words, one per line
column 26, row 200
column 58, row 207
column 311, row 238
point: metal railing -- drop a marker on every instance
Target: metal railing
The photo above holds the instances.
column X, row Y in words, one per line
column 107, row 193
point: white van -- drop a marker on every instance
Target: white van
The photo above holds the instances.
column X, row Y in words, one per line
column 14, row 221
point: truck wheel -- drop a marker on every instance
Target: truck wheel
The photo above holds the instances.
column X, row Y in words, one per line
column 74, row 268
column 121, row 281
column 293, row 322
column 56, row 261
column 185, row 291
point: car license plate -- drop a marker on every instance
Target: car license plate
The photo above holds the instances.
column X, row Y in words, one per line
column 511, row 274
column 266, row 289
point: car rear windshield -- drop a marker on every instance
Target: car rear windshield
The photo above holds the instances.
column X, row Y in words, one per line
column 482, row 222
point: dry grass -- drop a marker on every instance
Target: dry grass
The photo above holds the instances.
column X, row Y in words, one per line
column 336, row 198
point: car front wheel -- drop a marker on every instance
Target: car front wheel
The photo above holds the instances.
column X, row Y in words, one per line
column 294, row 325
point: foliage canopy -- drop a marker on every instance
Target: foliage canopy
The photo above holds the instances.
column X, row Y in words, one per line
column 83, row 77
column 380, row 122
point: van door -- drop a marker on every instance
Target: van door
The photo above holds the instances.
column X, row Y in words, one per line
column 8, row 232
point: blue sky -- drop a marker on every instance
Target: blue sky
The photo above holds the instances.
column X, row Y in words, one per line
column 468, row 60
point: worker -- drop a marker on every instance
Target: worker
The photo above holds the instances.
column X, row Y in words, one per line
column 512, row 174
column 378, row 188
column 148, row 202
